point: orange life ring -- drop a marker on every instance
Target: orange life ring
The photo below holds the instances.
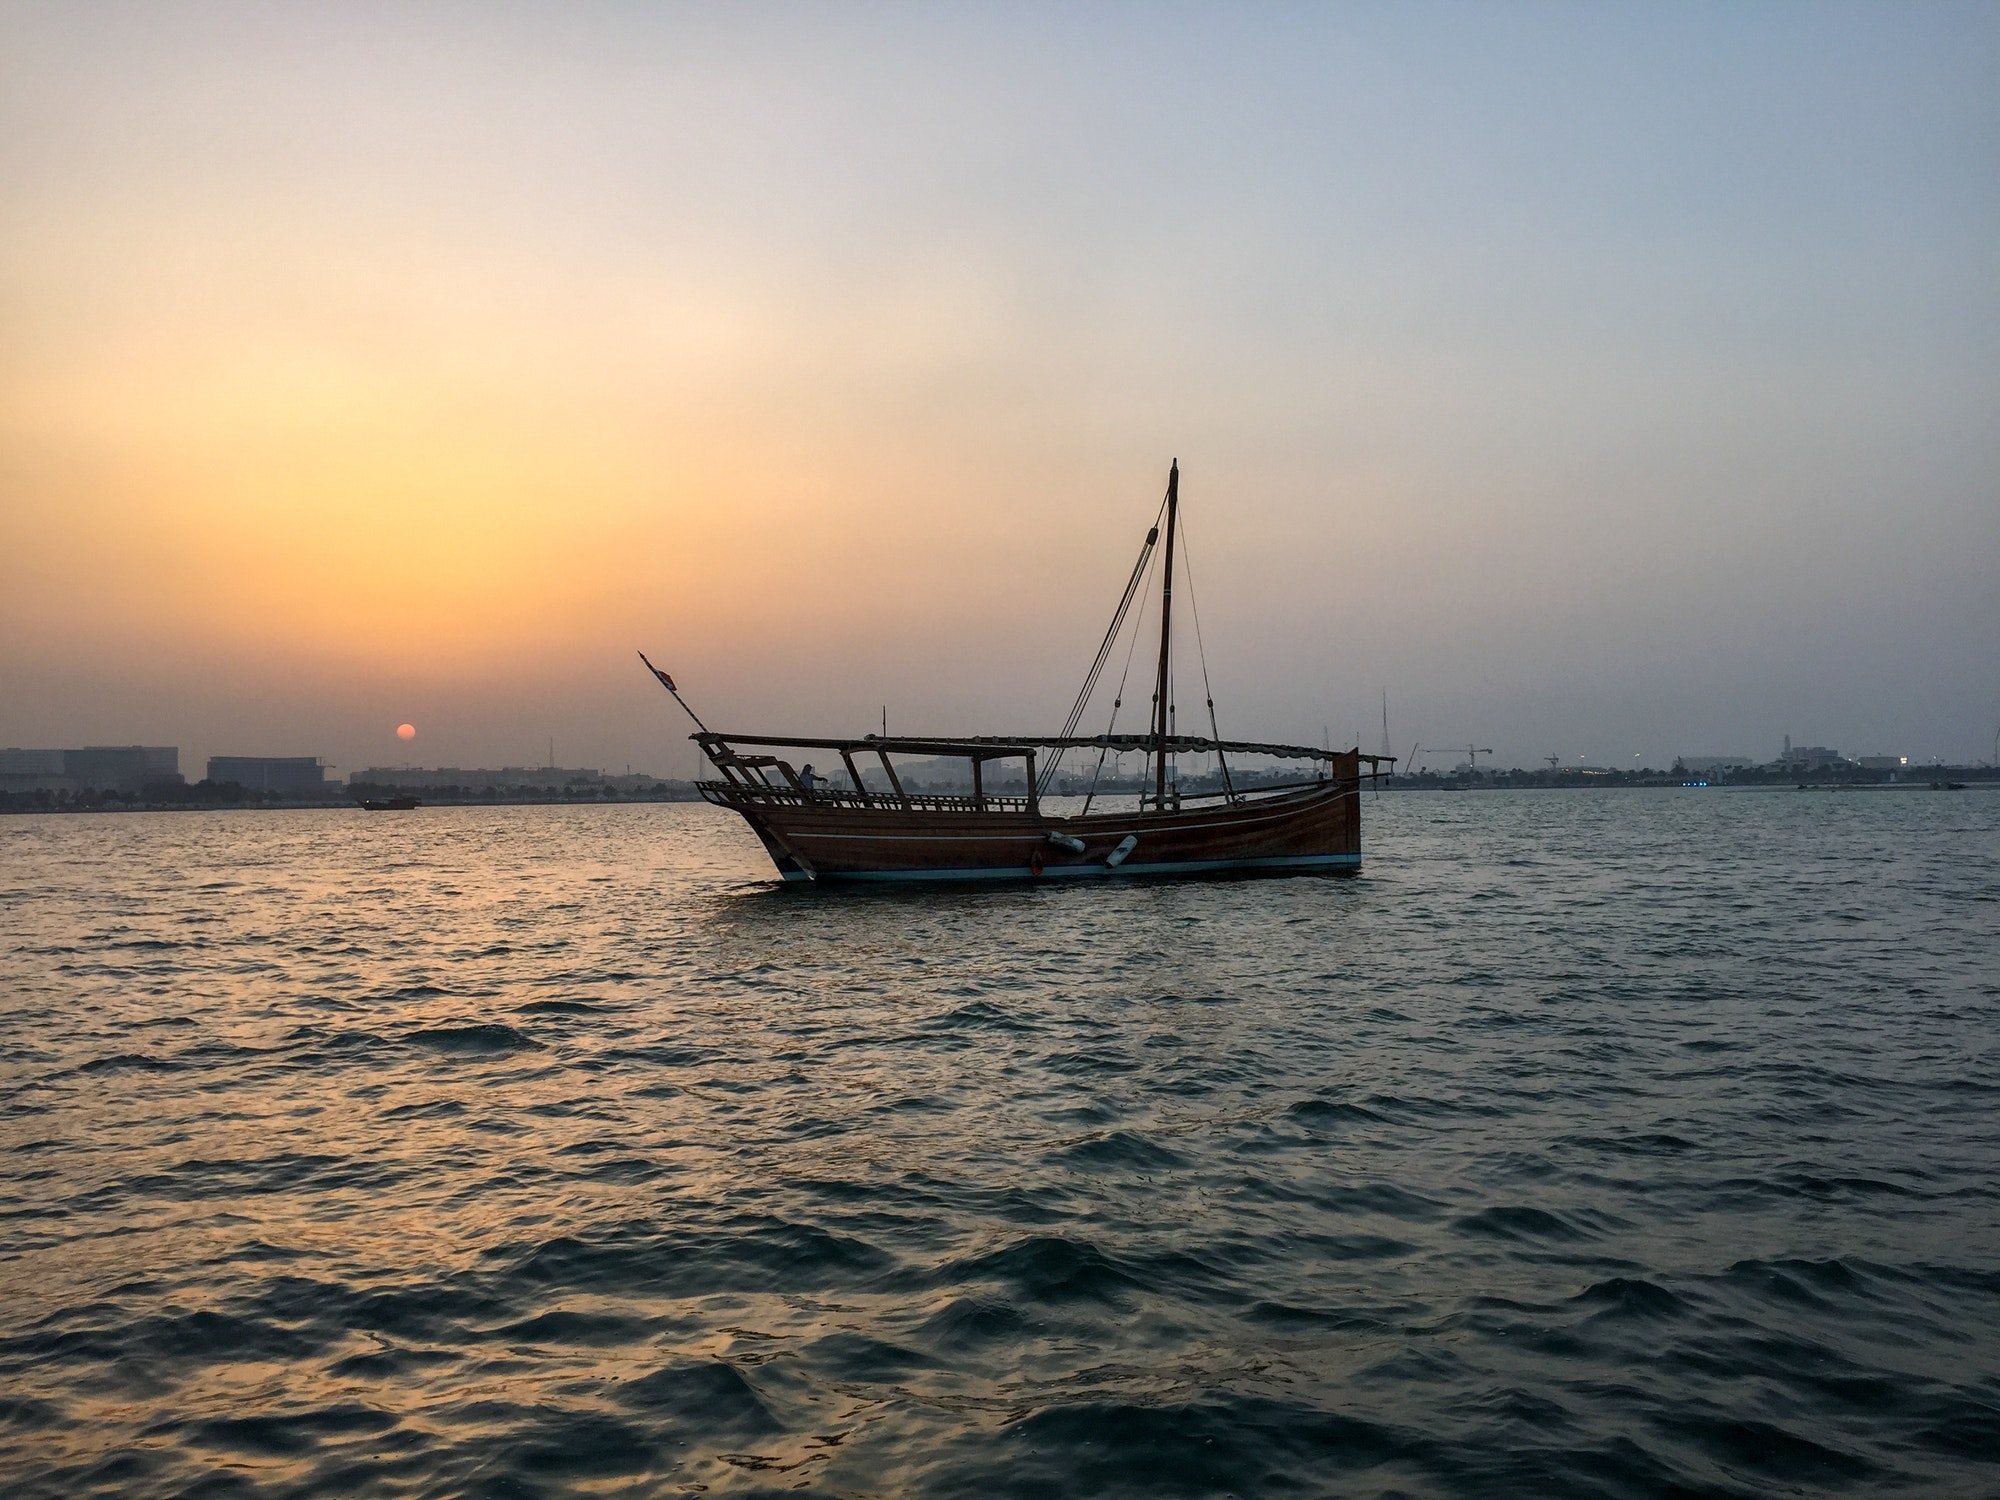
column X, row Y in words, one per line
column 1035, row 862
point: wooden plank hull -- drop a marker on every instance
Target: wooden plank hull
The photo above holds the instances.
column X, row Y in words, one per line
column 1315, row 829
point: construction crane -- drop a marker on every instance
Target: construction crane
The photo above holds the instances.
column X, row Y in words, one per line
column 1472, row 753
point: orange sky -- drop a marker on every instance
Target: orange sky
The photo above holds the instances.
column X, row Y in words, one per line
column 1597, row 384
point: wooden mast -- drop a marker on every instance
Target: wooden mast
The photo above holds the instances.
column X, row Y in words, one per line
column 1160, row 715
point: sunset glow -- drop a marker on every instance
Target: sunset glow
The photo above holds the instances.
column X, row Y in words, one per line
column 355, row 356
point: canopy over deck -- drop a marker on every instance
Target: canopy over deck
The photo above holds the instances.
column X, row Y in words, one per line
column 1003, row 747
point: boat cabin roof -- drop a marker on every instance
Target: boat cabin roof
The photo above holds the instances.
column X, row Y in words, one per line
column 1003, row 747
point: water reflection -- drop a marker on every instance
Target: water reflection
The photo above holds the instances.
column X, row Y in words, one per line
column 534, row 1149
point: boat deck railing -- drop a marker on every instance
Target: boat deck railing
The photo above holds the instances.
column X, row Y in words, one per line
column 736, row 793
column 727, row 793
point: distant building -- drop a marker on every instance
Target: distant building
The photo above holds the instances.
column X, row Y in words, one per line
column 31, row 762
column 1710, row 765
column 1809, row 757
column 270, row 773
column 33, row 771
column 1889, row 763
column 124, row 769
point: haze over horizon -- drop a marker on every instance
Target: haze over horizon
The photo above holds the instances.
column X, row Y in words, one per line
column 1609, row 382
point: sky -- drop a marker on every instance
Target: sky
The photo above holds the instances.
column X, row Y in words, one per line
column 1598, row 381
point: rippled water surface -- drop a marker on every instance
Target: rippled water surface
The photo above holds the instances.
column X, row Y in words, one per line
column 1620, row 1144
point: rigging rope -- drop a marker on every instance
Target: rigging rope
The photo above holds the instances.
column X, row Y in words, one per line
column 1118, row 698
column 1140, row 569
column 1201, row 650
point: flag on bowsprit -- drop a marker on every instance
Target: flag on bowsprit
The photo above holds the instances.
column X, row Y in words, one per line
column 668, row 683
column 665, row 681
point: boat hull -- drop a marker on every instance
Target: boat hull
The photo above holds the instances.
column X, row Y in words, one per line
column 1317, row 829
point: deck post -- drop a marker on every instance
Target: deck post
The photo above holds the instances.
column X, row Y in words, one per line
column 1034, row 801
column 898, row 785
column 847, row 759
column 979, row 782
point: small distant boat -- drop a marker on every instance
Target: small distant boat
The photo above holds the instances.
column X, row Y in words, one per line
column 390, row 804
column 887, row 832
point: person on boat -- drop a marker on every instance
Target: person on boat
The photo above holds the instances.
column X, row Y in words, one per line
column 811, row 780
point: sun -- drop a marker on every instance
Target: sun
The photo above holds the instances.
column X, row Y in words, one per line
column 406, row 731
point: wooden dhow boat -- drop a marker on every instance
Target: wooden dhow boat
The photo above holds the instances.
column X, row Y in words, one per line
column 874, row 828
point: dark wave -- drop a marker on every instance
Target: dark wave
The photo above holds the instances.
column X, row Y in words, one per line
column 1518, row 1222
column 746, row 1253
column 1122, row 1151
column 474, row 1038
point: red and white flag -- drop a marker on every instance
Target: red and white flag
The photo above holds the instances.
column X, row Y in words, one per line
column 665, row 681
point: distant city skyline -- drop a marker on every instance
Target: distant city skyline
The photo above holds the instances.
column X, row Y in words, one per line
column 130, row 769
column 1607, row 382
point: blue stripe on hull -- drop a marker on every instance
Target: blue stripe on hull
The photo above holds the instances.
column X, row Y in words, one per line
column 1130, row 867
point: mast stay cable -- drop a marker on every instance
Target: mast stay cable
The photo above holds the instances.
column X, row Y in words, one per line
column 1201, row 650
column 1118, row 698
column 1140, row 569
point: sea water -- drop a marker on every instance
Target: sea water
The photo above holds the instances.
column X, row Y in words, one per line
column 1617, row 1143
